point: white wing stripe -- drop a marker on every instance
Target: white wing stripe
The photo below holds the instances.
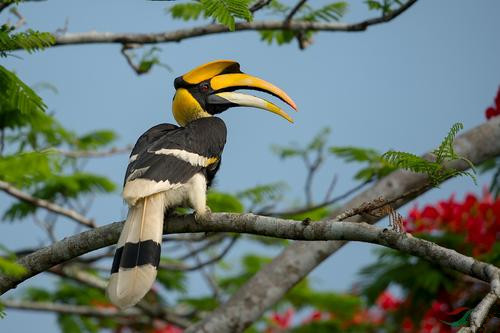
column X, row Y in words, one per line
column 192, row 158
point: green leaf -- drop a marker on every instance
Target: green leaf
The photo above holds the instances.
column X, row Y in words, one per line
column 279, row 36
column 64, row 187
column 263, row 194
column 37, row 294
column 96, row 139
column 328, row 13
column 15, row 94
column 24, row 169
column 68, row 323
column 376, row 166
column 29, row 40
column 206, row 303
column 462, row 321
column 419, row 279
column 187, row 11
column 225, row 11
column 287, row 152
column 342, row 305
column 445, row 150
column 11, row 268
column 172, row 280
column 251, row 264
column 313, row 214
column 224, row 202
column 436, row 171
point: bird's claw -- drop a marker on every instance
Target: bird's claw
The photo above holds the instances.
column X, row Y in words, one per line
column 202, row 216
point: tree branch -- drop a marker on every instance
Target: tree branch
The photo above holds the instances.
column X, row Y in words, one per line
column 297, row 260
column 50, row 206
column 294, row 11
column 199, row 264
column 64, row 308
column 94, row 153
column 479, row 314
column 85, row 242
column 94, row 37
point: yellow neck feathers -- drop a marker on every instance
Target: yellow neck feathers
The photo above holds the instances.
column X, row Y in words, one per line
column 186, row 108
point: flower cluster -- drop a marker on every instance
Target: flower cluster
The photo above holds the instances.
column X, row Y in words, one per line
column 478, row 219
column 494, row 110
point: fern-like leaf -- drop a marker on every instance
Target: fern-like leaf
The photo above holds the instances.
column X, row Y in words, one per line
column 187, row 11
column 29, row 40
column 436, row 171
column 15, row 93
column 445, row 149
column 331, row 12
column 225, row 11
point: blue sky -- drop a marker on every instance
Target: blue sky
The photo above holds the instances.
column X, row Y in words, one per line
column 399, row 85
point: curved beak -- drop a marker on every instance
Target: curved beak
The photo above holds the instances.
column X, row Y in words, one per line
column 223, row 94
column 237, row 99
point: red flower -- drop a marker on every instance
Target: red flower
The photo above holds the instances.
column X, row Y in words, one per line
column 476, row 218
column 168, row 328
column 387, row 301
column 494, row 111
column 283, row 320
column 314, row 316
column 490, row 113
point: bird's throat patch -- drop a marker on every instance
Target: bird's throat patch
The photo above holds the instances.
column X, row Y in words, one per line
column 186, row 108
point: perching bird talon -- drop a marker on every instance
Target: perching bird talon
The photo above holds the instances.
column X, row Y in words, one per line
column 202, row 216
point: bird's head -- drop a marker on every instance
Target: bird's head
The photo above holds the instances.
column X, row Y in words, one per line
column 209, row 89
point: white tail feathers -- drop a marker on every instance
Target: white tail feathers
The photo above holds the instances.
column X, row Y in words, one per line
column 138, row 252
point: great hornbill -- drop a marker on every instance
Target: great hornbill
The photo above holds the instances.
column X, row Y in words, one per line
column 173, row 165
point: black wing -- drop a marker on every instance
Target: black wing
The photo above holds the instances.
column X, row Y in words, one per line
column 167, row 156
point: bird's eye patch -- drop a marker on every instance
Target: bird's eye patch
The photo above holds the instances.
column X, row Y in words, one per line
column 204, row 87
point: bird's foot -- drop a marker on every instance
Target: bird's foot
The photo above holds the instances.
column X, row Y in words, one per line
column 202, row 215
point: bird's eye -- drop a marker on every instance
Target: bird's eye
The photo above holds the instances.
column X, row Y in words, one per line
column 204, row 87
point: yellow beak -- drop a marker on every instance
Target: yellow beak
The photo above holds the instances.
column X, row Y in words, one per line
column 223, row 78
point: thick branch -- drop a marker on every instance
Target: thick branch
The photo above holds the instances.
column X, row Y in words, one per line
column 296, row 261
column 210, row 29
column 79, row 244
column 17, row 193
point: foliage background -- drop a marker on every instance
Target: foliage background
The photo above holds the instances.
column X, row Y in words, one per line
column 399, row 85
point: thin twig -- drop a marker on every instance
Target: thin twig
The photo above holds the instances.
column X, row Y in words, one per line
column 2, row 140
column 76, row 273
column 374, row 205
column 330, row 188
column 294, row 10
column 185, row 268
column 94, row 153
column 208, row 277
column 64, row 308
column 128, row 57
column 481, row 311
column 259, row 5
column 216, row 239
column 50, row 206
column 20, row 18
column 323, row 204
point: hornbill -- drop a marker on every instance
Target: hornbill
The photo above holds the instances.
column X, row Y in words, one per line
column 172, row 166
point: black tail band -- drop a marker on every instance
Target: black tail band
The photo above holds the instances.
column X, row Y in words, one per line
column 136, row 254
